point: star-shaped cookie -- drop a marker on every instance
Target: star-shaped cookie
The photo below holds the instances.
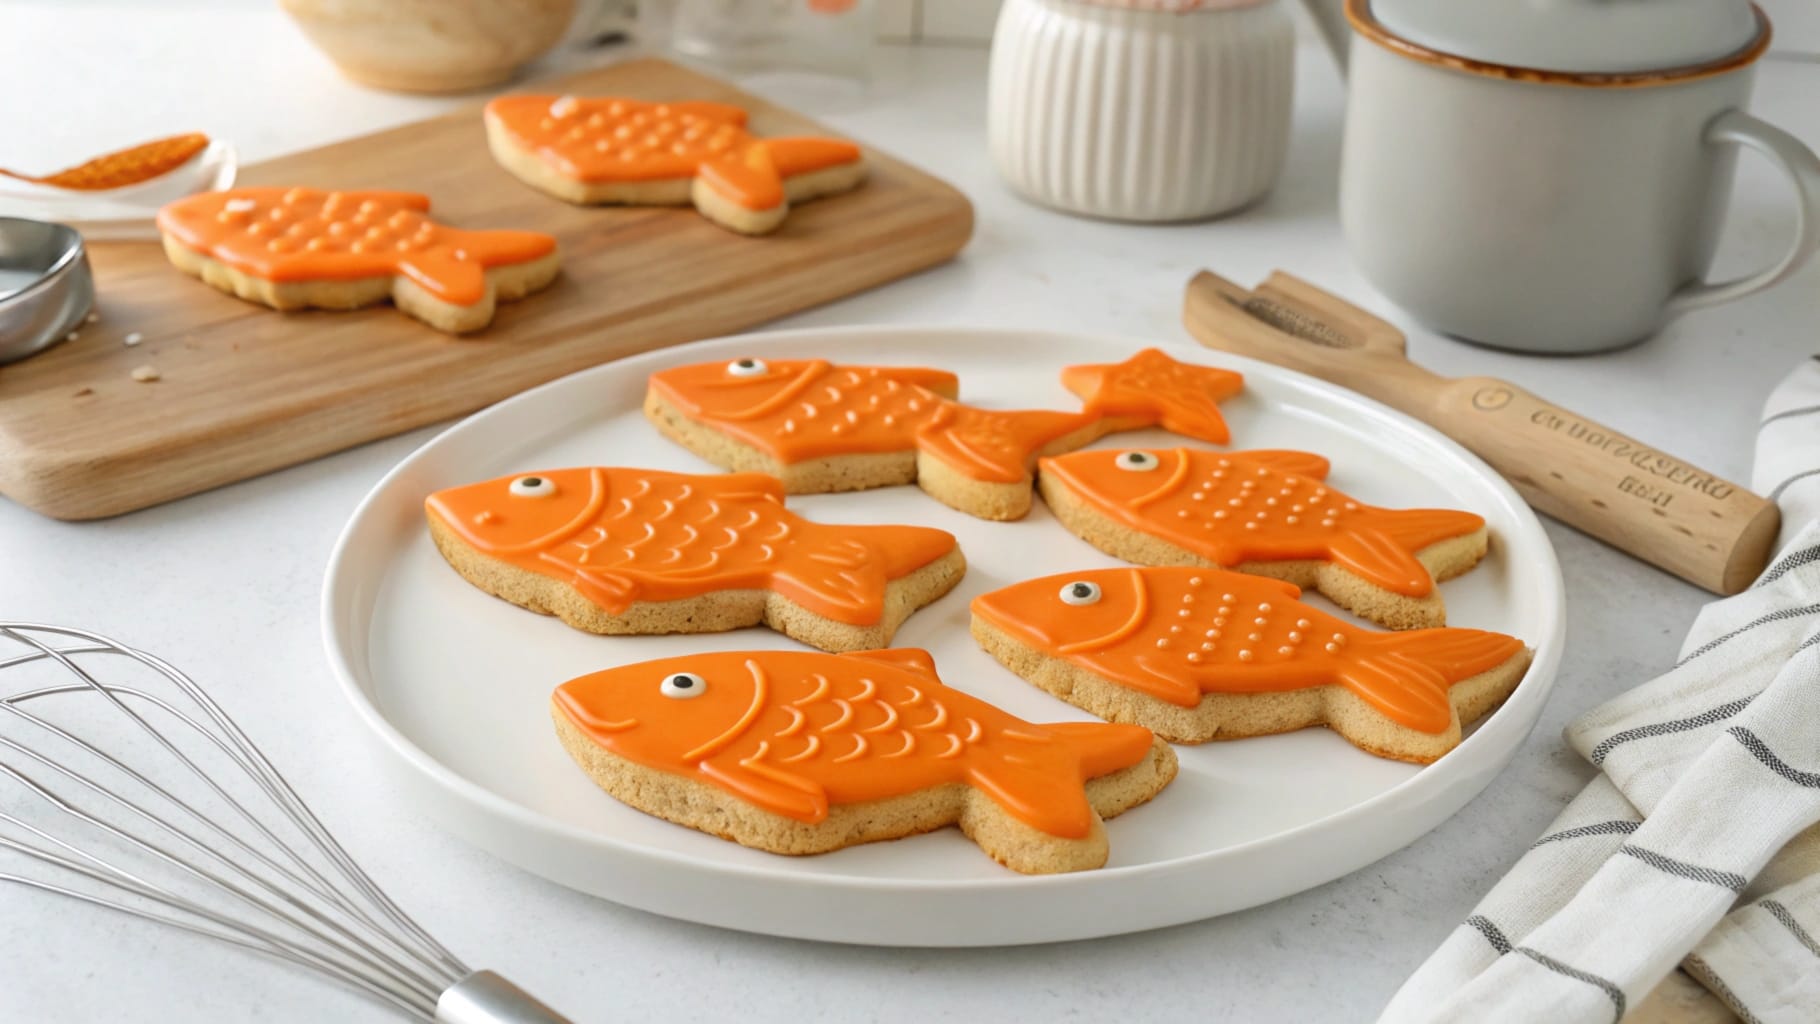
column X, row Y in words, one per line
column 1182, row 398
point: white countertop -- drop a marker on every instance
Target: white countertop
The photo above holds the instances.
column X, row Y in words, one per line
column 226, row 584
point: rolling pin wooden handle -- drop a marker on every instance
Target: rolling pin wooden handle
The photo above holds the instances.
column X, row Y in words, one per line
column 1706, row 530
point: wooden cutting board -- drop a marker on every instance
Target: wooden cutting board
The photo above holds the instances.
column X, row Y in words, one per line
column 244, row 390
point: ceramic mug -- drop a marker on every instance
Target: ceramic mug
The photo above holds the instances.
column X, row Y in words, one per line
column 1551, row 212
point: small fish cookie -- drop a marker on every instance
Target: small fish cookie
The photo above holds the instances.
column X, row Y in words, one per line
column 1265, row 512
column 1201, row 654
column 820, row 427
column 800, row 753
column 298, row 248
column 594, row 150
column 621, row 551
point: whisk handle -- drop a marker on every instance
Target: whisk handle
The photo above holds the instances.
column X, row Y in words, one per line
column 486, row 998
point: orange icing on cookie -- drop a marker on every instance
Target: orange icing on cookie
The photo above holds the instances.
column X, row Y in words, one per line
column 802, row 409
column 625, row 535
column 795, row 732
column 602, row 139
column 1179, row 397
column 1177, row 633
column 306, row 234
column 1258, row 506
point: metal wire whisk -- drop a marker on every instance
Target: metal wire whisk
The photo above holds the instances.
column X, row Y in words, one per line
column 123, row 785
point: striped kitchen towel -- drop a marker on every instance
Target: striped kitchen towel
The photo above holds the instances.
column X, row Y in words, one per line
column 1698, row 842
column 1788, row 449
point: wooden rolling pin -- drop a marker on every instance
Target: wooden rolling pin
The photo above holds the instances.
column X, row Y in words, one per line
column 1703, row 529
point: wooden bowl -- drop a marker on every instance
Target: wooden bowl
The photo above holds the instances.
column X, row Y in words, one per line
column 432, row 45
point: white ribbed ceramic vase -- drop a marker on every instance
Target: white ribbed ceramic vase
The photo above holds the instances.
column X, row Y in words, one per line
column 1149, row 110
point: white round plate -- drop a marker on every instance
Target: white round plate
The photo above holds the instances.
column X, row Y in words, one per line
column 454, row 685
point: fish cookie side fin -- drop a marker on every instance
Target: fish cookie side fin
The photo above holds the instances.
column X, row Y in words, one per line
column 615, row 592
column 996, row 447
column 1284, row 460
column 1141, row 675
column 910, row 659
column 800, row 155
column 942, row 383
column 1104, row 747
column 708, row 110
column 772, row 789
column 385, row 197
column 1407, row 675
column 734, row 484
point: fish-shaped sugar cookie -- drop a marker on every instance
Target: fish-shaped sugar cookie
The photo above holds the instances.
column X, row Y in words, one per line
column 643, row 551
column 795, row 752
column 296, row 248
column 822, row 427
column 1200, row 654
column 1264, row 512
column 604, row 149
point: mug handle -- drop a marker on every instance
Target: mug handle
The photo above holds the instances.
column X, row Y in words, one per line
column 1802, row 168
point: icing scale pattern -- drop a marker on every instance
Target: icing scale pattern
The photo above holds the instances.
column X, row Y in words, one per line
column 625, row 535
column 796, row 732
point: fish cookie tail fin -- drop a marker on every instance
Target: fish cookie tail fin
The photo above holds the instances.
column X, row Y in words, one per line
column 998, row 447
column 1104, row 747
column 750, row 180
column 1382, row 561
column 800, row 155
column 1407, row 675
column 454, row 265
column 1040, row 772
column 1382, row 545
column 847, row 568
column 1416, row 528
column 903, row 549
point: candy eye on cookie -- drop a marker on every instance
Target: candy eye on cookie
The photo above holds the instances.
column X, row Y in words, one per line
column 747, row 367
column 683, row 685
column 532, row 487
column 1080, row 592
column 1137, row 462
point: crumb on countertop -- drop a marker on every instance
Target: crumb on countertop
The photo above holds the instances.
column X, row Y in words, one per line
column 133, row 339
column 84, row 391
column 145, row 374
column 72, row 336
column 94, row 318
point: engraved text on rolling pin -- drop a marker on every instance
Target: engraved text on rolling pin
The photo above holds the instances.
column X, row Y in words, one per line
column 1661, row 476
